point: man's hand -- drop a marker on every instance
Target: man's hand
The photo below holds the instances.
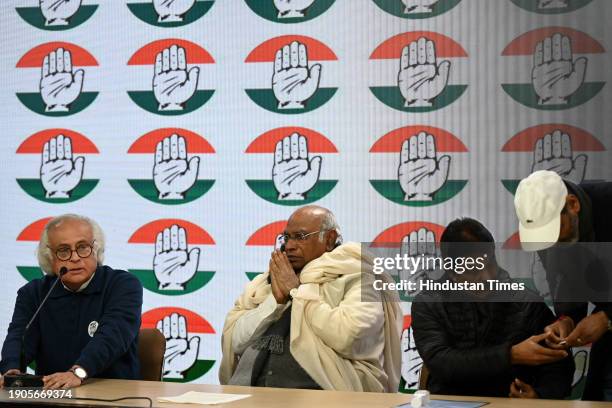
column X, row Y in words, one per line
column 520, row 389
column 420, row 173
column 59, row 172
column 588, row 330
column 293, row 82
column 554, row 152
column 12, row 371
column 59, row 86
column 529, row 352
column 555, row 75
column 173, row 174
column 293, row 174
column 283, row 277
column 173, row 85
column 420, row 80
column 550, row 4
column 558, row 331
column 181, row 353
column 58, row 12
column 418, row 6
column 61, row 380
column 171, row 11
column 173, row 264
column 292, row 8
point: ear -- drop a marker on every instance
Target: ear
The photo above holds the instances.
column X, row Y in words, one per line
column 330, row 240
column 572, row 204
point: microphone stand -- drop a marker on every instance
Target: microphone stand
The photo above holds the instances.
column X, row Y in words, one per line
column 23, row 379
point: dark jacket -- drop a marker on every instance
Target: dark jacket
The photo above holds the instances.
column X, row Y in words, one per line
column 60, row 335
column 466, row 345
column 595, row 225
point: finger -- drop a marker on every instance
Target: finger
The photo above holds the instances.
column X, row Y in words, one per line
column 422, row 146
column 160, row 326
column 556, row 47
column 158, row 63
column 547, row 147
column 444, row 165
column 278, row 152
column 431, row 52
column 181, row 58
column 182, row 239
column 182, row 148
column 166, row 239
column 421, row 50
column 59, row 62
column 414, row 240
column 538, row 153
column 286, row 148
column 67, row 61
column 414, row 141
column 405, row 246
column 45, row 66
column 165, row 60
column 173, row 57
column 182, row 327
column 167, row 327
column 79, row 74
column 431, row 147
column 286, row 57
column 60, row 146
column 538, row 337
column 158, row 152
column 422, row 237
column 174, row 147
column 159, row 243
column 580, row 163
column 174, row 325
column 412, row 56
column 293, row 54
column 547, row 50
column 566, row 49
column 566, row 146
column 315, row 165
column 45, row 155
column 405, row 152
column 303, row 147
column 174, row 237
column 538, row 55
column 303, row 56
column 166, row 148
column 405, row 58
column 431, row 243
column 278, row 61
column 556, row 144
column 52, row 63
column 67, row 148
column 549, row 354
column 52, row 149
column 295, row 150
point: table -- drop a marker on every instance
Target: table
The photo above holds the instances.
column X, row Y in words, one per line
column 262, row 397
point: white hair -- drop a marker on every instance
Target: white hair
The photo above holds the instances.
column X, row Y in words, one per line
column 44, row 253
column 329, row 223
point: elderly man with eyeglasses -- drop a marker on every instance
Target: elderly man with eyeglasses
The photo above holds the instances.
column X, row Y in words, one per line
column 304, row 324
column 89, row 324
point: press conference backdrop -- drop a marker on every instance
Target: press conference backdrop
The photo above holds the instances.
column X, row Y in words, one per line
column 192, row 129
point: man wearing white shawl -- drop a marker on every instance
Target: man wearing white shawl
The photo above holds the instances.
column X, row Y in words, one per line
column 304, row 324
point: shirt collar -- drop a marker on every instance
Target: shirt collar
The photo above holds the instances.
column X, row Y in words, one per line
column 83, row 286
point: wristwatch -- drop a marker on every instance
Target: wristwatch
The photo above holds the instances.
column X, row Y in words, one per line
column 80, row 373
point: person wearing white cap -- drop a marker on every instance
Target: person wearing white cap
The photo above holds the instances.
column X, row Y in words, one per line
column 551, row 210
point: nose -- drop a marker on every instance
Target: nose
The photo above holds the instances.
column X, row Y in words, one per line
column 74, row 257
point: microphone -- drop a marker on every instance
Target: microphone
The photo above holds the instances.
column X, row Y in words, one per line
column 23, row 379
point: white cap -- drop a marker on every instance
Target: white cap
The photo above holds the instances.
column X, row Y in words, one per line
column 538, row 201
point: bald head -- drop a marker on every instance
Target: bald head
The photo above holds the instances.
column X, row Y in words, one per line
column 317, row 221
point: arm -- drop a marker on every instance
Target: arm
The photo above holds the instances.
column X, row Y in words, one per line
column 25, row 305
column 254, row 323
column 553, row 380
column 119, row 326
column 448, row 363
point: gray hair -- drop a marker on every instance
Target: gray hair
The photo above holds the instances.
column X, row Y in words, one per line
column 329, row 223
column 44, row 253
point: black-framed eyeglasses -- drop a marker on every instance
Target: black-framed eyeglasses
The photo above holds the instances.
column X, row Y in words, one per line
column 83, row 250
column 298, row 236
